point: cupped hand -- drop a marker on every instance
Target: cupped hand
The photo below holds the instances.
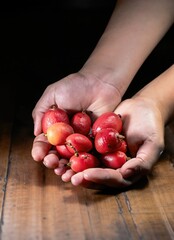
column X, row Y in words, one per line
column 144, row 131
column 143, row 128
column 76, row 92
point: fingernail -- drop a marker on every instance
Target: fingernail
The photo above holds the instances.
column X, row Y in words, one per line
column 75, row 181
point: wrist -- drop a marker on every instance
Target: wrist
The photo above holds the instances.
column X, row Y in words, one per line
column 154, row 105
column 115, row 76
column 160, row 92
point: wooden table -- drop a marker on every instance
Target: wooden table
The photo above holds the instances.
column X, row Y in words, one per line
column 36, row 204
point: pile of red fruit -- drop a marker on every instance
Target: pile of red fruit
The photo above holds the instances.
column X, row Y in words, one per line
column 84, row 143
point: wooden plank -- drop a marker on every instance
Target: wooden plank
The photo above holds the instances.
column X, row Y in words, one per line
column 7, row 101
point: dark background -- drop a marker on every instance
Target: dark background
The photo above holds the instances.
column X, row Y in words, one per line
column 43, row 42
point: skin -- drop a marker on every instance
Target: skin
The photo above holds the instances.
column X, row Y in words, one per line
column 105, row 77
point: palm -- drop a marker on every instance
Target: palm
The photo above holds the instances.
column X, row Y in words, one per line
column 77, row 93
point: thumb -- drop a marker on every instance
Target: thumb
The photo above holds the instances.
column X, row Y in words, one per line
column 37, row 122
column 145, row 159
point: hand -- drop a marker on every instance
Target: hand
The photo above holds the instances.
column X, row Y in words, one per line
column 75, row 92
column 144, row 131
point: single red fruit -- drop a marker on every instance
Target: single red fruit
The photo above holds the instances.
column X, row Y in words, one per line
column 83, row 161
column 81, row 123
column 123, row 146
column 114, row 160
column 77, row 142
column 107, row 140
column 58, row 132
column 107, row 120
column 63, row 151
column 53, row 115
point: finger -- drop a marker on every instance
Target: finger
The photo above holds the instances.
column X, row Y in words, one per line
column 62, row 168
column 142, row 164
column 132, row 171
column 51, row 160
column 66, row 177
column 40, row 148
column 98, row 177
column 79, row 180
column 37, row 124
column 37, row 115
column 41, row 107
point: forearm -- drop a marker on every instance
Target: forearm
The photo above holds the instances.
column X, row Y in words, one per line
column 161, row 93
column 133, row 31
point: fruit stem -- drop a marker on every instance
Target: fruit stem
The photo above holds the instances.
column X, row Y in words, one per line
column 53, row 107
column 120, row 136
column 68, row 164
column 71, row 146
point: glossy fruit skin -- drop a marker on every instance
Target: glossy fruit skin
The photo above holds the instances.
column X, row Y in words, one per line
column 77, row 142
column 114, row 160
column 81, row 123
column 107, row 140
column 107, row 120
column 83, row 144
column 123, row 147
column 58, row 132
column 63, row 151
column 83, row 161
column 53, row 115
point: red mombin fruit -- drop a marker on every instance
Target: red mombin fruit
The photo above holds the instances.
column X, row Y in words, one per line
column 58, row 132
column 82, row 161
column 107, row 120
column 63, row 151
column 77, row 142
column 107, row 140
column 114, row 160
column 81, row 123
column 123, row 146
column 53, row 115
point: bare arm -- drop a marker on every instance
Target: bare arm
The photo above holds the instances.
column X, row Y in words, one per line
column 160, row 91
column 133, row 31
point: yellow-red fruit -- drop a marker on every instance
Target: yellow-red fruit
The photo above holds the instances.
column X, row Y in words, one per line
column 58, row 132
column 53, row 115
